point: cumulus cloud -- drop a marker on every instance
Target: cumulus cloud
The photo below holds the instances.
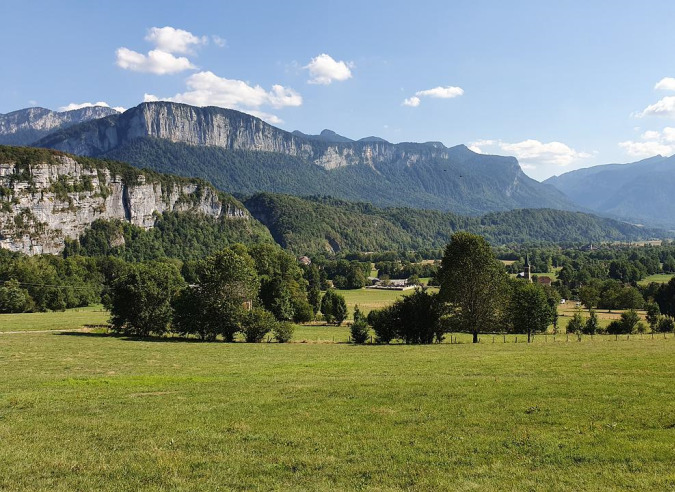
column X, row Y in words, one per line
column 171, row 40
column 533, row 152
column 653, row 143
column 323, row 70
column 666, row 84
column 412, row 101
column 73, row 106
column 442, row 92
column 156, row 61
column 664, row 107
column 208, row 89
column 439, row 92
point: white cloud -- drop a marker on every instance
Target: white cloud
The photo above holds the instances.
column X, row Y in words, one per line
column 32, row 102
column 442, row 92
column 533, row 152
column 666, row 84
column 412, row 101
column 654, row 143
column 73, row 106
column 207, row 89
column 664, row 107
column 323, row 69
column 218, row 41
column 172, row 40
column 447, row 92
column 157, row 62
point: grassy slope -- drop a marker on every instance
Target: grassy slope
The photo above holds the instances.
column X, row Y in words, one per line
column 67, row 320
column 90, row 412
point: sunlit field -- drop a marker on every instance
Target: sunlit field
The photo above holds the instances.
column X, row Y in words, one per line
column 88, row 411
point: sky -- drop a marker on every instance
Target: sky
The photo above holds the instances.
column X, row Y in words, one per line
column 559, row 85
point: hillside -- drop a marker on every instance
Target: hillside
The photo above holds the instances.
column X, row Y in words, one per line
column 307, row 225
column 48, row 198
column 640, row 192
column 239, row 153
column 25, row 126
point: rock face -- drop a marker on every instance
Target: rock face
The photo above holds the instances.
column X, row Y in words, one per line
column 227, row 129
column 25, row 126
column 43, row 203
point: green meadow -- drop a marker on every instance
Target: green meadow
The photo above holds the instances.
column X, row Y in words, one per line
column 87, row 411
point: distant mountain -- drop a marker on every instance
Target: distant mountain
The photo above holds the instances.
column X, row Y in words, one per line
column 372, row 139
column 242, row 154
column 641, row 192
column 311, row 225
column 325, row 136
column 25, row 126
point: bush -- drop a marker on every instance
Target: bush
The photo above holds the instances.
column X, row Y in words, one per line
column 302, row 310
column 359, row 331
column 576, row 324
column 384, row 324
column 592, row 325
column 256, row 324
column 626, row 325
column 283, row 331
column 14, row 299
column 665, row 325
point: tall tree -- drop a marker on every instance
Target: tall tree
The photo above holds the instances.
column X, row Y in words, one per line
column 529, row 309
column 473, row 282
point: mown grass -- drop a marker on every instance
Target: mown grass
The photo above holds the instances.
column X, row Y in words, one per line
column 659, row 278
column 369, row 299
column 66, row 320
column 95, row 412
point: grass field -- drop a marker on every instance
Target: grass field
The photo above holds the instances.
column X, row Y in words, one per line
column 369, row 299
column 659, row 278
column 66, row 320
column 94, row 412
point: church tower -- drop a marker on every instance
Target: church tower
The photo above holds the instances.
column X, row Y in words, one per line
column 528, row 268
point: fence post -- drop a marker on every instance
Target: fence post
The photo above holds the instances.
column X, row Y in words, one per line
column 516, row 339
column 371, row 338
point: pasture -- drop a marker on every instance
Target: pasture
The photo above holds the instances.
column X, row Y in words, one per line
column 95, row 412
column 659, row 278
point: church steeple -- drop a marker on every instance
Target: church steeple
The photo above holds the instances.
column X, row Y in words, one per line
column 528, row 268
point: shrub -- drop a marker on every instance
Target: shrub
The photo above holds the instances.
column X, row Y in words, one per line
column 302, row 310
column 592, row 325
column 283, row 331
column 384, row 324
column 14, row 299
column 359, row 331
column 626, row 325
column 665, row 325
column 576, row 324
column 256, row 324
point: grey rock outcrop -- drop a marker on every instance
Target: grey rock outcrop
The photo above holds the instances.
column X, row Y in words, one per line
column 43, row 204
column 25, row 126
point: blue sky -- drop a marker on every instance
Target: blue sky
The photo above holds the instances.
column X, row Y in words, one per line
column 559, row 86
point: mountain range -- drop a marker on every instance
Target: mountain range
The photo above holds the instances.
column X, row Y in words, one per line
column 25, row 126
column 240, row 153
column 641, row 192
column 48, row 199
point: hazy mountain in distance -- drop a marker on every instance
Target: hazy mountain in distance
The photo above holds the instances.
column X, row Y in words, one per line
column 640, row 192
column 324, row 136
column 25, row 126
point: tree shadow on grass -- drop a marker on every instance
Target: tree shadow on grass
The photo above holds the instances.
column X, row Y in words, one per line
column 129, row 338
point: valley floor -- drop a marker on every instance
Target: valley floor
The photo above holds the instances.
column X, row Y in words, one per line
column 86, row 411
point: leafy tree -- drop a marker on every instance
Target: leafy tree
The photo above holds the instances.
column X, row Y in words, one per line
column 14, row 299
column 666, row 325
column 256, row 324
column 529, row 309
column 626, row 324
column 339, row 308
column 592, row 324
column 142, row 298
column 589, row 295
column 653, row 315
column 576, row 324
column 327, row 304
column 385, row 323
column 359, row 330
column 473, row 282
column 283, row 331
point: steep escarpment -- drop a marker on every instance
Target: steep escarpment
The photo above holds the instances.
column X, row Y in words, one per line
column 25, row 126
column 47, row 197
column 239, row 153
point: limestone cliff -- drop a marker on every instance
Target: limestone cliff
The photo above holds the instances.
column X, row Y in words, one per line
column 25, row 126
column 46, row 197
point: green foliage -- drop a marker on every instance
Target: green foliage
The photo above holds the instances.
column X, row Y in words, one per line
column 576, row 324
column 592, row 325
column 283, row 331
column 627, row 324
column 256, row 324
column 653, row 314
column 142, row 298
column 529, row 309
column 666, row 325
column 359, row 331
column 473, row 282
column 14, row 299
